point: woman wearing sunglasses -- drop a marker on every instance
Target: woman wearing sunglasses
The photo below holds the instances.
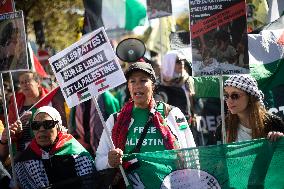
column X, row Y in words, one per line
column 247, row 117
column 53, row 157
column 31, row 91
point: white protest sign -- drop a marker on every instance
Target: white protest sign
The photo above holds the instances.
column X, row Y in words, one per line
column 87, row 68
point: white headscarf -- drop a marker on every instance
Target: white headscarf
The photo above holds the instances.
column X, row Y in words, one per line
column 168, row 65
column 53, row 113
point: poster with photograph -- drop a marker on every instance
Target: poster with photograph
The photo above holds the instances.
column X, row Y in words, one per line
column 218, row 37
column 87, row 68
column 159, row 8
column 13, row 46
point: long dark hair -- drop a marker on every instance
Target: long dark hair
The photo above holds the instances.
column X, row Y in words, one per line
column 256, row 115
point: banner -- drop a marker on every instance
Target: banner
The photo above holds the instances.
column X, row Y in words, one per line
column 123, row 14
column 13, row 47
column 251, row 164
column 87, row 68
column 159, row 8
column 219, row 43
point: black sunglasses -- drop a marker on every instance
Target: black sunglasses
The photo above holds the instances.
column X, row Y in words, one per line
column 47, row 124
column 234, row 96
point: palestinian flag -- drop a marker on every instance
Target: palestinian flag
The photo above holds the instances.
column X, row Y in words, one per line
column 46, row 100
column 66, row 145
column 251, row 164
column 267, row 63
column 83, row 94
column 34, row 63
column 55, row 99
column 67, row 164
column 123, row 14
column 131, row 165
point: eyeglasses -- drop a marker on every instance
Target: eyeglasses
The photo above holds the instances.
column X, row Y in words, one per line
column 234, row 96
column 47, row 124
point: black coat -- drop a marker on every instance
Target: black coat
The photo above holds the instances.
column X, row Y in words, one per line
column 271, row 123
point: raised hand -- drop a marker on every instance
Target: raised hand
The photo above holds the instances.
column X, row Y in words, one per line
column 15, row 130
column 274, row 135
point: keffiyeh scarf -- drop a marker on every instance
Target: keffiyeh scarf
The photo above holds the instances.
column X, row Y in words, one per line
column 30, row 169
column 120, row 129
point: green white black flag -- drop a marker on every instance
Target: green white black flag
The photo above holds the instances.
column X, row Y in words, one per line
column 251, row 164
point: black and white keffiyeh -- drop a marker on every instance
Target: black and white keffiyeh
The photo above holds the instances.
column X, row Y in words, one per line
column 246, row 83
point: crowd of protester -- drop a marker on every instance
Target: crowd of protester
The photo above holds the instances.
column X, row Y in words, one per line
column 55, row 146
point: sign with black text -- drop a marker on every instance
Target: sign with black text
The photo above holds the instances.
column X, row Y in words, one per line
column 87, row 68
column 219, row 39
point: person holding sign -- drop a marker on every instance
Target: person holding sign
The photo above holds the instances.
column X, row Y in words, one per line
column 247, row 117
column 142, row 125
column 30, row 93
column 53, row 159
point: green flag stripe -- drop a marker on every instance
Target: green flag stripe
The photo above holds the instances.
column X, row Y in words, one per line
column 135, row 14
column 72, row 147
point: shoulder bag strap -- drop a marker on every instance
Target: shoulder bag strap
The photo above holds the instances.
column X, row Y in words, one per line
column 143, row 135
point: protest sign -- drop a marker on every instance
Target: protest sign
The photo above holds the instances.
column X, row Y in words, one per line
column 159, row 8
column 6, row 6
column 250, row 164
column 219, row 43
column 13, row 47
column 87, row 68
column 266, row 55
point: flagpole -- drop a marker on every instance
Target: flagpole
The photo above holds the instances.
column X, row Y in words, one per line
column 14, row 96
column 6, row 114
column 161, row 48
column 110, row 140
column 8, row 130
column 222, row 109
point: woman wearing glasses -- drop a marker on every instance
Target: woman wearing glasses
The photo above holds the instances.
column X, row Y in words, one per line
column 247, row 117
column 53, row 158
column 30, row 93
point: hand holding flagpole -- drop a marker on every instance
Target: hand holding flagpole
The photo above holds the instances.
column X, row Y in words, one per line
column 110, row 140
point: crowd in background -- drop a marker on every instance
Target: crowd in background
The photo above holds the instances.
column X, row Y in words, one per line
column 169, row 78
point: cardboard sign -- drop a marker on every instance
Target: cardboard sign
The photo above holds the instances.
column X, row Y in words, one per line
column 13, row 46
column 218, row 37
column 87, row 68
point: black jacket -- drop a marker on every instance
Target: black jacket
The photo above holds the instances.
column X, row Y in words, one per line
column 271, row 123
